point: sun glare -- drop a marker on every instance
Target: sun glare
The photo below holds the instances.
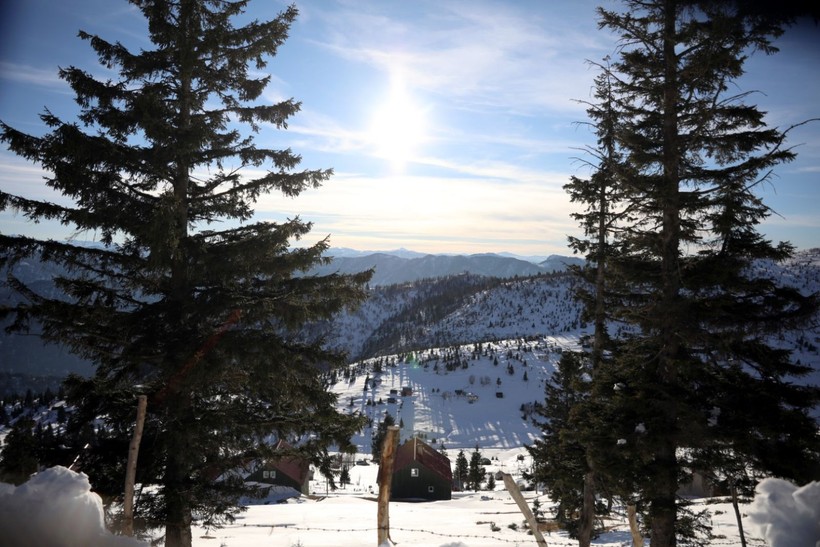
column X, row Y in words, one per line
column 397, row 127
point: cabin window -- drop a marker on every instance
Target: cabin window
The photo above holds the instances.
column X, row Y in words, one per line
column 268, row 474
column 414, row 472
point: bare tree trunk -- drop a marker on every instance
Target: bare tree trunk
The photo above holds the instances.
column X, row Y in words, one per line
column 391, row 439
column 631, row 514
column 131, row 469
column 512, row 488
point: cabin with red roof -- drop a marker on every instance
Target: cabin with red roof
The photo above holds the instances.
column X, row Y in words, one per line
column 286, row 471
column 421, row 473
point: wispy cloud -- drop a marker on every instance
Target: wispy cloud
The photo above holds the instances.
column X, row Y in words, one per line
column 43, row 77
column 480, row 56
column 404, row 210
column 22, row 178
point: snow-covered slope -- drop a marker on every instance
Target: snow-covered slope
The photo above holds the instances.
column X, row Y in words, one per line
column 461, row 397
column 497, row 334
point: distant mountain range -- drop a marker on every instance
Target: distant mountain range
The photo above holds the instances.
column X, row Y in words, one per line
column 402, row 266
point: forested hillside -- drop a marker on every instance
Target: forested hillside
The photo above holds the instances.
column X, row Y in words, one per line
column 455, row 310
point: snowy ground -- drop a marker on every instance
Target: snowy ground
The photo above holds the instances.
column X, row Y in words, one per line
column 348, row 518
column 461, row 398
column 434, row 411
column 56, row 509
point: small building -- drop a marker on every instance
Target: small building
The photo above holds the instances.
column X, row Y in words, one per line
column 421, row 473
column 286, row 471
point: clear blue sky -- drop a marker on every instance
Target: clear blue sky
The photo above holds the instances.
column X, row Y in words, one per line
column 451, row 125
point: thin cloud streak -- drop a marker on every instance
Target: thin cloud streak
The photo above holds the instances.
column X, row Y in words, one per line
column 480, row 57
column 43, row 77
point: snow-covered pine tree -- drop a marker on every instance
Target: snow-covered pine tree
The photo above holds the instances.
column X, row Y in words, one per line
column 187, row 297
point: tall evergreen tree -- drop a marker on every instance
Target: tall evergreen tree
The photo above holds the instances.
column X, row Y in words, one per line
column 560, row 453
column 602, row 197
column 187, row 296
column 696, row 369
column 476, row 473
column 462, row 469
column 19, row 455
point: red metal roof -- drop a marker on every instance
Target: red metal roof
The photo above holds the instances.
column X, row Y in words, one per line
column 295, row 468
column 416, row 450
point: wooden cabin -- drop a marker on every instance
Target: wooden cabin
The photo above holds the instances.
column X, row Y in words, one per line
column 421, row 473
column 286, row 471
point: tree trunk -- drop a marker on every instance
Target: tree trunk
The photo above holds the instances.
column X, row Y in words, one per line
column 587, row 523
column 663, row 504
column 131, row 469
column 177, row 480
column 664, row 476
column 178, row 518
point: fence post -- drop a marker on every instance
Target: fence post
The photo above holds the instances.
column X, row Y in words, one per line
column 634, row 529
column 512, row 488
column 131, row 469
column 385, row 478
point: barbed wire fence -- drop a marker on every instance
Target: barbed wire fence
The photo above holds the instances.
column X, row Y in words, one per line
column 554, row 540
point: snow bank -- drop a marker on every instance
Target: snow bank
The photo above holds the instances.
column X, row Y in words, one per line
column 56, row 507
column 787, row 515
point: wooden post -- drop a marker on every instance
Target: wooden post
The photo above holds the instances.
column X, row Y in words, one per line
column 733, row 490
column 512, row 488
column 634, row 529
column 131, row 469
column 391, row 439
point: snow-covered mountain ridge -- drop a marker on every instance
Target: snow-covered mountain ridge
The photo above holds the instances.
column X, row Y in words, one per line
column 454, row 310
column 437, row 312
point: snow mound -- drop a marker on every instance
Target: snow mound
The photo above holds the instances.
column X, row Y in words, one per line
column 787, row 515
column 56, row 507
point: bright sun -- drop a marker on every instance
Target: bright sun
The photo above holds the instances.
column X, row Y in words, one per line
column 398, row 125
